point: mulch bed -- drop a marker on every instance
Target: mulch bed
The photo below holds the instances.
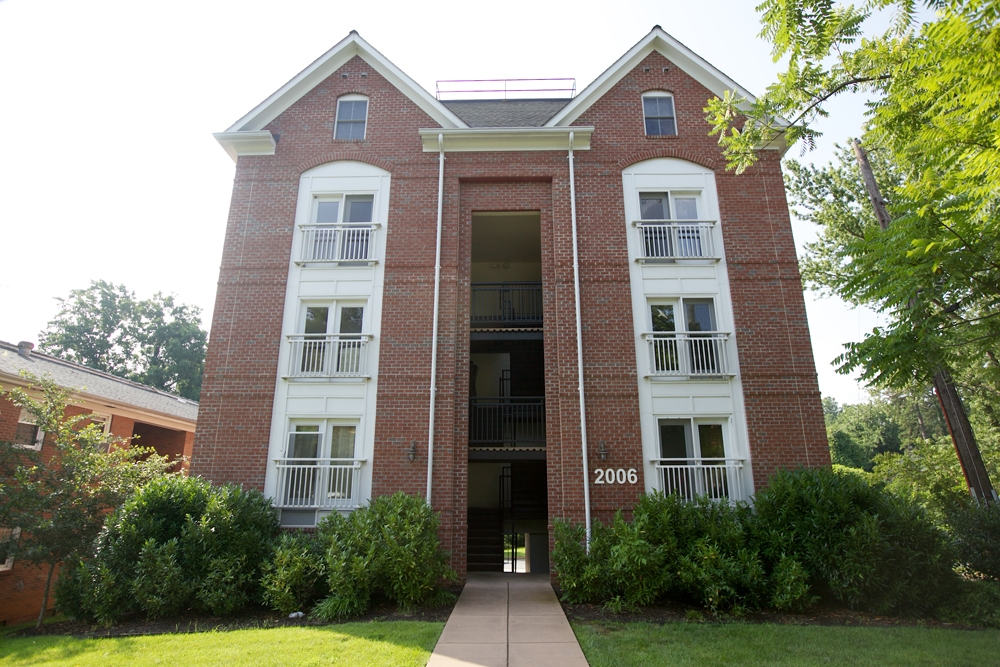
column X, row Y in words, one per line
column 821, row 614
column 250, row 619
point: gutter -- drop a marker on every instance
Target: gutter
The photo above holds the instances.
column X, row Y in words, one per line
column 434, row 334
column 579, row 343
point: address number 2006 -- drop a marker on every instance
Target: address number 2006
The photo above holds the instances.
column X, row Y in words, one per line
column 620, row 476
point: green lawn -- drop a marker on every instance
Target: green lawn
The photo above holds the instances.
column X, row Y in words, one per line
column 641, row 644
column 389, row 643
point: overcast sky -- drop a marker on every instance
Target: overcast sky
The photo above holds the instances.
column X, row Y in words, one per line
column 108, row 168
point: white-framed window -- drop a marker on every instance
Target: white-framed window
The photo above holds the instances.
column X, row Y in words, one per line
column 331, row 342
column 352, row 117
column 671, row 226
column 28, row 435
column 658, row 114
column 8, row 538
column 692, row 439
column 320, row 468
column 684, row 338
column 341, row 229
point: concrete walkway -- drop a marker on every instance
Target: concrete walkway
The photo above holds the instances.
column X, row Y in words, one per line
column 507, row 620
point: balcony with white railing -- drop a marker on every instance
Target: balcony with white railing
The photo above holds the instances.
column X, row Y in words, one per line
column 338, row 243
column 716, row 479
column 507, row 305
column 675, row 239
column 702, row 354
column 328, row 355
column 323, row 484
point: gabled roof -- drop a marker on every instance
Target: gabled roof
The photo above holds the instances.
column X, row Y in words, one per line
column 93, row 384
column 327, row 64
column 657, row 40
column 505, row 113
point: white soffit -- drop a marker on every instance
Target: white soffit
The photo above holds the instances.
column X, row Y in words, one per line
column 246, row 143
column 485, row 139
column 657, row 40
column 327, row 64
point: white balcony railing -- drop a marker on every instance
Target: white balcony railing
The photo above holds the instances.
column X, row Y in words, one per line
column 672, row 239
column 328, row 355
column 344, row 242
column 325, row 484
column 688, row 354
column 717, row 479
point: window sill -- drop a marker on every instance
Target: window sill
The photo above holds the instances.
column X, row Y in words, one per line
column 357, row 379
column 661, row 137
column 690, row 378
column 318, row 264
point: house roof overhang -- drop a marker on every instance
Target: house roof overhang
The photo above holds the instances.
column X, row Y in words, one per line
column 247, row 136
column 484, row 139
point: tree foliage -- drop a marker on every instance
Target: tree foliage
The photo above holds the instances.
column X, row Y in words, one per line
column 933, row 95
column 155, row 341
column 58, row 497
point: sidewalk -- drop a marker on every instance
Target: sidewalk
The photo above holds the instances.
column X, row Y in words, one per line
column 507, row 620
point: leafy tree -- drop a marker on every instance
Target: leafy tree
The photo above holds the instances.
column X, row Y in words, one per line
column 933, row 98
column 155, row 341
column 59, row 497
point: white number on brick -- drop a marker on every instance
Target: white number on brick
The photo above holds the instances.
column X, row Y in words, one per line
column 620, row 476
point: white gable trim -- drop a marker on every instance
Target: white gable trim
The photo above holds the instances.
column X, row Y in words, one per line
column 657, row 40
column 327, row 64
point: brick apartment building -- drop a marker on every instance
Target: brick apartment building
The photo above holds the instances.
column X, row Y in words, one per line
column 520, row 309
column 126, row 409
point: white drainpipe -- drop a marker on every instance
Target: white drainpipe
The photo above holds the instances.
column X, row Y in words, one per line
column 434, row 334
column 579, row 344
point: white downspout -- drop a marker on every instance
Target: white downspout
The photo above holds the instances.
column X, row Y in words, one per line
column 434, row 333
column 579, row 344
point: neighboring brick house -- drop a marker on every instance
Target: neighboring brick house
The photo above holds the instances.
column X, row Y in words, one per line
column 127, row 409
column 530, row 224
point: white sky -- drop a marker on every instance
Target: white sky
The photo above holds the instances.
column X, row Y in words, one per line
column 108, row 169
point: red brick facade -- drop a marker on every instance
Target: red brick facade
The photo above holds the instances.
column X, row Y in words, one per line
column 780, row 390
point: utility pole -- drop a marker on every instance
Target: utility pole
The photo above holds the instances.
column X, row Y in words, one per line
column 976, row 476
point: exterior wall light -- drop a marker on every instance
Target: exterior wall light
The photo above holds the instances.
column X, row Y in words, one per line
column 412, row 452
column 602, row 451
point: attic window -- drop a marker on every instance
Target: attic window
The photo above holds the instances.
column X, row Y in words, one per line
column 658, row 112
column 352, row 116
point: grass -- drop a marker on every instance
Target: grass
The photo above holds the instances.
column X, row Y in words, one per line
column 641, row 644
column 389, row 643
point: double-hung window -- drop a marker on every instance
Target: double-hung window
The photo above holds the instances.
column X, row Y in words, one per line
column 341, row 230
column 28, row 435
column 685, row 340
column 670, row 227
column 331, row 343
column 658, row 114
column 352, row 117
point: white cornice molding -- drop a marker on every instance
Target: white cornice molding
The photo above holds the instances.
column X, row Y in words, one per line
column 327, row 64
column 660, row 41
column 485, row 139
column 246, row 143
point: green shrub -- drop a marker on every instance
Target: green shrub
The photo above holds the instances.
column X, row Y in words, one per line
column 177, row 543
column 866, row 546
column 975, row 603
column 390, row 547
column 296, row 576
column 975, row 530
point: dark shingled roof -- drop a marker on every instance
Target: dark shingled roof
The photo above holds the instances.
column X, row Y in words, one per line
column 505, row 113
column 95, row 383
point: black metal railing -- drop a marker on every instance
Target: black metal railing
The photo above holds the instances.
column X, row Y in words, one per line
column 515, row 421
column 506, row 304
